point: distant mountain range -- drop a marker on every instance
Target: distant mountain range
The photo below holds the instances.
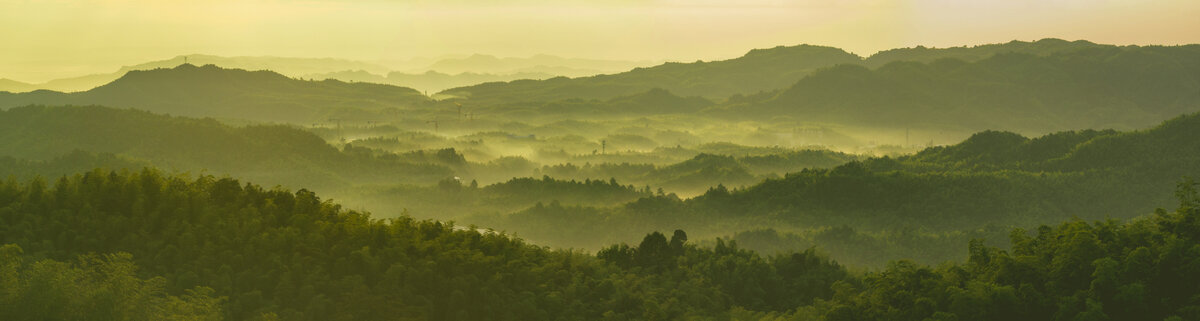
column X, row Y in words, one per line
column 429, row 81
column 570, row 67
column 1090, row 86
column 210, row 91
column 756, row 71
column 1028, row 87
column 760, row 69
column 283, row 65
column 1031, row 87
column 433, row 76
column 73, row 138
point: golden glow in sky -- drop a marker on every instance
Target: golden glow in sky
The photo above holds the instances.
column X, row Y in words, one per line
column 46, row 39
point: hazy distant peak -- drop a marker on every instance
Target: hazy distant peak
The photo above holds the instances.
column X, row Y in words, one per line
column 10, row 85
column 795, row 50
column 1042, row 47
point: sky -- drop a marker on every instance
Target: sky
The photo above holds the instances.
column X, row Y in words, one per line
column 47, row 39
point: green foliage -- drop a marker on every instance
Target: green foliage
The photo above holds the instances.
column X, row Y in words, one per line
column 921, row 207
column 290, row 255
column 93, row 287
column 1141, row 270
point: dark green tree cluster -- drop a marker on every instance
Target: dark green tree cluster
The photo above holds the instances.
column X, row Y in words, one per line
column 455, row 199
column 776, row 283
column 1146, row 269
column 269, row 254
column 93, row 287
column 290, row 255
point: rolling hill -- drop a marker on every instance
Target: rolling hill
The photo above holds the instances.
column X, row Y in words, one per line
column 756, row 71
column 58, row 138
column 1094, row 87
column 914, row 204
column 210, row 91
column 293, row 67
column 760, row 69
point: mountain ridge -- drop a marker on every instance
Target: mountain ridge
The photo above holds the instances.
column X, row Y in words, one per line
column 211, row 91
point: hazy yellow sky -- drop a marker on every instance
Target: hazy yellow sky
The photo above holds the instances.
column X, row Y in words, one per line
column 46, row 39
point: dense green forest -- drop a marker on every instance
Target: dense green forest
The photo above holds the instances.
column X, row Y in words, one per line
column 191, row 247
column 291, row 255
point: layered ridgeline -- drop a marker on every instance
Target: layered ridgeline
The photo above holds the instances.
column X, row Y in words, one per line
column 284, row 65
column 1031, row 88
column 757, row 71
column 1100, row 87
column 205, row 248
column 53, row 141
column 210, row 91
column 1039, row 87
column 869, row 211
column 442, row 183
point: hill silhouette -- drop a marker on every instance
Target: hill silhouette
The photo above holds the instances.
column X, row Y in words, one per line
column 285, row 65
column 1096, row 87
column 1043, row 47
column 211, row 91
column 758, row 70
column 10, row 85
column 913, row 203
column 81, row 137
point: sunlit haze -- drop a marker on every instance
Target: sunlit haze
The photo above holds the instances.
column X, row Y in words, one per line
column 43, row 40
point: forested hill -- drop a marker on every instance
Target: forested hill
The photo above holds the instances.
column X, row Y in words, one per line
column 994, row 180
column 758, row 70
column 273, row 154
column 291, row 256
column 203, row 248
column 211, row 91
column 1091, row 87
column 993, row 177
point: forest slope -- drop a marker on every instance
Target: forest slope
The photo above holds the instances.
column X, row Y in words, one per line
column 274, row 154
column 994, row 179
column 246, row 253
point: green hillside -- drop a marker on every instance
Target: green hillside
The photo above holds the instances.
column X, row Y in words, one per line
column 1100, row 87
column 273, row 154
column 206, row 248
column 273, row 253
column 920, row 203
